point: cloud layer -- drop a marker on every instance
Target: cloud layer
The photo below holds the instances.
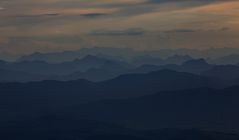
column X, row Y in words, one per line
column 24, row 22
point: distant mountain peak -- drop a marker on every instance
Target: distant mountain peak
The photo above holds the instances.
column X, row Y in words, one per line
column 179, row 56
column 196, row 62
column 164, row 71
column 178, row 59
column 91, row 58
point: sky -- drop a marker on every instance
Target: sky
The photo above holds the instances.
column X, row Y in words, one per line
column 28, row 26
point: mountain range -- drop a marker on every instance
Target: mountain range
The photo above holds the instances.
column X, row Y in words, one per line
column 201, row 108
column 97, row 69
column 93, row 95
column 67, row 128
column 162, row 99
column 214, row 55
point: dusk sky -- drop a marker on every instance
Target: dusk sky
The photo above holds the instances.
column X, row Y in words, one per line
column 28, row 26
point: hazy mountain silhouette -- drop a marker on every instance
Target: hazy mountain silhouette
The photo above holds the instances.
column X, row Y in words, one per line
column 19, row 76
column 228, row 59
column 147, row 59
column 88, row 62
column 152, row 60
column 146, row 68
column 129, row 54
column 197, row 108
column 99, row 69
column 227, row 72
column 202, row 108
column 196, row 66
column 107, row 71
column 178, row 59
column 52, row 95
column 58, row 128
column 37, row 67
column 41, row 67
column 138, row 84
column 68, row 128
column 128, row 100
column 59, row 57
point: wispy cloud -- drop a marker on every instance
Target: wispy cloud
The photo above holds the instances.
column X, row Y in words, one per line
column 27, row 18
column 2, row 8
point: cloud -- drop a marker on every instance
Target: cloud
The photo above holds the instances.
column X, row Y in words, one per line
column 93, row 15
column 127, row 32
column 2, row 8
column 39, row 15
column 116, row 18
column 164, row 1
column 181, row 31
